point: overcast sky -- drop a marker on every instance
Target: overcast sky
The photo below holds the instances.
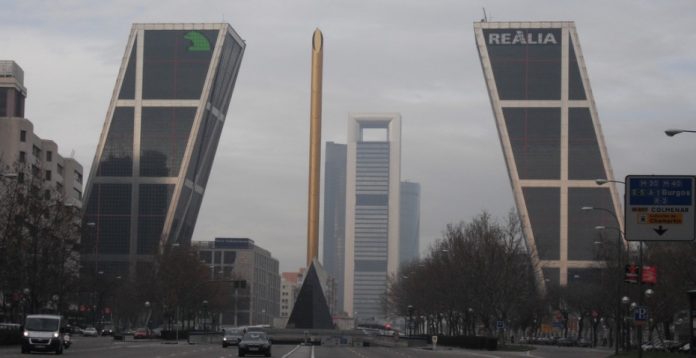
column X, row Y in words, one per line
column 417, row 58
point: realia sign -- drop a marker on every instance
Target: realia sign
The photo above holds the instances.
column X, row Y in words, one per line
column 521, row 37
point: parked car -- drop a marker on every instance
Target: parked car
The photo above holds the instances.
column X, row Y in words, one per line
column 90, row 332
column 254, row 343
column 232, row 337
column 141, row 333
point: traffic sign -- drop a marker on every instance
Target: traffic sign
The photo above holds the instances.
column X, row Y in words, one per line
column 640, row 314
column 659, row 207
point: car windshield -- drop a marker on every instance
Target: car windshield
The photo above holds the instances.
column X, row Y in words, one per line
column 42, row 324
column 255, row 336
column 233, row 332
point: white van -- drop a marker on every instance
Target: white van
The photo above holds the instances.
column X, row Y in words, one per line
column 43, row 332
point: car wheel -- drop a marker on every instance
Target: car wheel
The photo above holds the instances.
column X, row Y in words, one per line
column 59, row 350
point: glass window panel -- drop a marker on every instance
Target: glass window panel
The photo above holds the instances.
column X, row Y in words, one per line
column 526, row 63
column 117, row 157
column 109, row 208
column 584, row 157
column 535, row 136
column 175, row 63
column 128, row 85
column 3, row 101
column 543, row 207
column 164, row 135
column 581, row 223
column 576, row 90
column 226, row 74
column 154, row 203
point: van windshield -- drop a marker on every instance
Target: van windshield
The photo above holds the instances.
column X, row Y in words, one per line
column 42, row 324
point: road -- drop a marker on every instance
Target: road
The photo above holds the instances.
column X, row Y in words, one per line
column 105, row 347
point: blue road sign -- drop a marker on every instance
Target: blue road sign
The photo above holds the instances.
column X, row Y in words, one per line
column 660, row 207
column 640, row 314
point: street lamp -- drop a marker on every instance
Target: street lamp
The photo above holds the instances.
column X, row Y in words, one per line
column 410, row 320
column 601, row 181
column 627, row 333
column 205, row 314
column 618, row 286
column 148, row 310
column 673, row 132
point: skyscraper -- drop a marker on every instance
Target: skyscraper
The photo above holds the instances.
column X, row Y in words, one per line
column 552, row 141
column 409, row 222
column 372, row 210
column 158, row 142
column 335, row 215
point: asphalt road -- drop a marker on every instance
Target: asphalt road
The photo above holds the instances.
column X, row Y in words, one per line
column 105, row 347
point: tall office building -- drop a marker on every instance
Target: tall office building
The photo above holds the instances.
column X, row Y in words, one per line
column 552, row 142
column 26, row 155
column 409, row 222
column 372, row 210
column 158, row 142
column 335, row 215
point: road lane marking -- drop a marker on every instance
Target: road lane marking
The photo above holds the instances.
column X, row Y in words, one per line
column 288, row 354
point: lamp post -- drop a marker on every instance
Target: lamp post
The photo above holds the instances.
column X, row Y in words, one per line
column 673, row 132
column 205, row 314
column 627, row 333
column 147, row 315
column 410, row 320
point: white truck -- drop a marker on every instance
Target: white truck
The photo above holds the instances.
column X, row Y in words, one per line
column 43, row 332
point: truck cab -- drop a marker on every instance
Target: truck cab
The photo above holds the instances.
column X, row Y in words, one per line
column 43, row 332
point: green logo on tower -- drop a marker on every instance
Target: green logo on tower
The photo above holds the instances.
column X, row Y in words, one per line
column 198, row 41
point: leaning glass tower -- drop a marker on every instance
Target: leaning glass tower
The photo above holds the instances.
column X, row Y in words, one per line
column 158, row 142
column 552, row 142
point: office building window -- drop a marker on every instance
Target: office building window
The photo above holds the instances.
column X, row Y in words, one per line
column 78, row 177
column 20, row 177
column 60, row 170
column 22, row 156
column 49, row 156
column 48, row 175
column 22, row 136
column 47, row 194
column 36, row 151
column 78, row 193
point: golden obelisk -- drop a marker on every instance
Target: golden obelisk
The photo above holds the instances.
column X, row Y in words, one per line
column 315, row 147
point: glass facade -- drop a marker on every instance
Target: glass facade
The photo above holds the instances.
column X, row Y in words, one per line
column 117, row 157
column 535, row 136
column 584, row 157
column 526, row 63
column 147, row 143
column 108, row 218
column 176, row 63
column 552, row 138
column 164, row 135
column 333, row 244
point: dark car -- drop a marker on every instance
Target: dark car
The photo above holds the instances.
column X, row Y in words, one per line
column 108, row 330
column 255, row 343
column 232, row 337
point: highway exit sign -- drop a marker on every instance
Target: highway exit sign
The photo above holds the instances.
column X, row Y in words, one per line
column 659, row 208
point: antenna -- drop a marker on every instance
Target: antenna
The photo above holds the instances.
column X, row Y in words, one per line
column 485, row 17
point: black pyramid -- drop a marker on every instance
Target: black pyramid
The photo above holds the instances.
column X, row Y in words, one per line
column 311, row 309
